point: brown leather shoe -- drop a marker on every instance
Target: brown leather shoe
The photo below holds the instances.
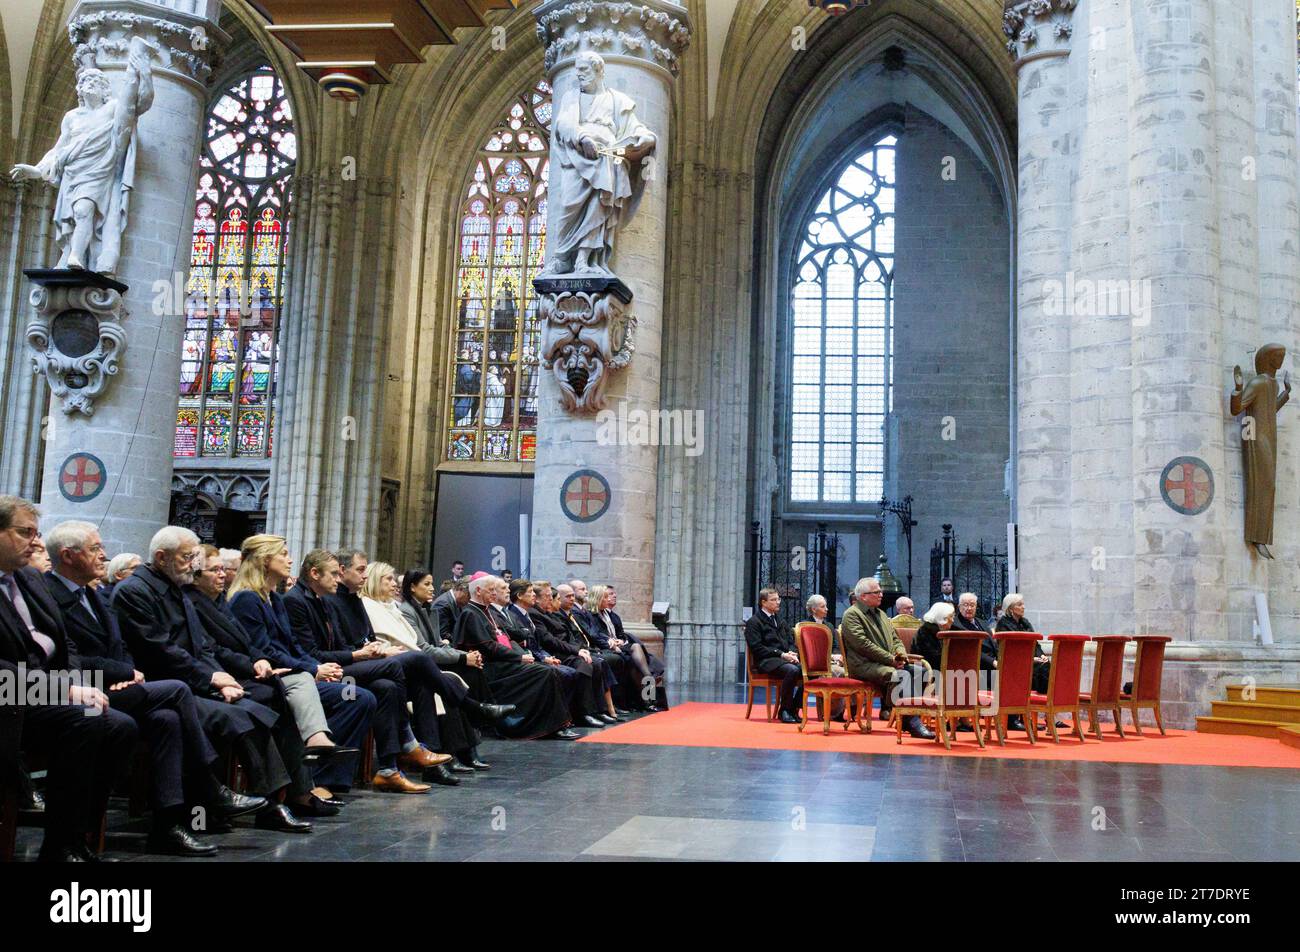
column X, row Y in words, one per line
column 396, row 783
column 420, row 758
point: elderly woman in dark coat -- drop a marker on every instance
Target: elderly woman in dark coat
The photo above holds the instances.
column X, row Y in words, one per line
column 1013, row 619
column 927, row 643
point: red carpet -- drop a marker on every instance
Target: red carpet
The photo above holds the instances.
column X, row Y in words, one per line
column 724, row 725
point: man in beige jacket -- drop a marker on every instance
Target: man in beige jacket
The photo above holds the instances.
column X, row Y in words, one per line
column 874, row 653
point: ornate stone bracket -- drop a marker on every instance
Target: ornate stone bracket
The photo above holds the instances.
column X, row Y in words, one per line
column 1038, row 27
column 654, row 31
column 76, row 336
column 186, row 45
column 588, row 332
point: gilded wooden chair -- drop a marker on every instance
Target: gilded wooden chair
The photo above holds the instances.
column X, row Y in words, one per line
column 759, row 679
column 956, row 695
column 1063, row 678
column 1107, row 678
column 1148, row 669
column 813, row 643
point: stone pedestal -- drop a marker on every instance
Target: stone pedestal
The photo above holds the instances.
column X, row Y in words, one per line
column 587, row 334
column 76, row 335
column 595, row 478
column 121, row 457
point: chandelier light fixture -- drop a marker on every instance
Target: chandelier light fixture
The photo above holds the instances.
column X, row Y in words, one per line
column 837, row 8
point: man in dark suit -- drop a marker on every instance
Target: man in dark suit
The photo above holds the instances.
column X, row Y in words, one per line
column 167, row 640
column 574, row 648
column 576, row 687
column 182, row 760
column 320, row 633
column 607, row 628
column 448, row 606
column 86, row 743
column 577, row 632
column 771, row 646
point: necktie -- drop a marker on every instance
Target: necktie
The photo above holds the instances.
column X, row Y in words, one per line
column 43, row 641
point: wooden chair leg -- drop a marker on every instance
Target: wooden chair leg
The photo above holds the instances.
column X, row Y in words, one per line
column 1078, row 725
column 978, row 736
column 1159, row 723
column 943, row 732
column 1119, row 721
column 897, row 724
column 1051, row 726
column 1032, row 730
column 750, row 706
column 1137, row 726
column 1001, row 725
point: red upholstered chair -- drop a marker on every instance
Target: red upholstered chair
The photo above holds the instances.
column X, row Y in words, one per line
column 1107, row 678
column 1012, row 683
column 957, row 691
column 759, row 679
column 1147, row 672
column 813, row 642
column 1062, row 683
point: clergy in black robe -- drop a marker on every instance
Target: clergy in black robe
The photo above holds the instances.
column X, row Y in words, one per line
column 539, row 704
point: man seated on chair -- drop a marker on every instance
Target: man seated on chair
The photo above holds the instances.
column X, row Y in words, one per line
column 905, row 613
column 771, row 646
column 874, row 653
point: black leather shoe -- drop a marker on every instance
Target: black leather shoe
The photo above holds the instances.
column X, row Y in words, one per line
column 479, row 765
column 277, row 817
column 1015, row 723
column 610, row 719
column 618, row 711
column 178, row 841
column 788, row 718
column 885, row 712
column 314, row 807
column 494, row 712
column 326, row 751
column 917, row 729
column 29, row 798
column 227, row 804
column 60, row 854
column 439, row 774
column 590, row 721
column 965, row 728
column 90, row 856
column 565, row 734
column 457, row 767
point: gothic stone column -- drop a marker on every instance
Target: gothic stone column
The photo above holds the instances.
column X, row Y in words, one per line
column 126, row 488
column 1040, row 36
column 614, row 466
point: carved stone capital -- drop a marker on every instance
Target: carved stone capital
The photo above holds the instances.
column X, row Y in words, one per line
column 182, row 43
column 653, row 31
column 1038, row 28
column 585, row 336
column 76, row 335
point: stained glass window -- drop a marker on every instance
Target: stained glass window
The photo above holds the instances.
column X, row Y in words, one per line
column 841, row 366
column 492, row 405
column 230, row 351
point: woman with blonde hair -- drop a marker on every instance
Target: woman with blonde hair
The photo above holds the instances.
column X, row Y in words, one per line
column 457, row 710
column 642, row 669
column 256, row 604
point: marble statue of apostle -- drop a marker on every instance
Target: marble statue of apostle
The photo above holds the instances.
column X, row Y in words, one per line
column 93, row 163
column 600, row 162
column 1260, row 401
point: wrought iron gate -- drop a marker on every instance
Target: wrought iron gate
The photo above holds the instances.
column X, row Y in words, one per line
column 797, row 568
column 982, row 571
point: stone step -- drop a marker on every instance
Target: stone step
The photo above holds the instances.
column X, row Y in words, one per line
column 1256, row 711
column 1289, row 736
column 1285, row 696
column 1236, row 725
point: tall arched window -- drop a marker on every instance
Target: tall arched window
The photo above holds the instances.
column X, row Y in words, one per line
column 841, row 370
column 492, row 391
column 236, row 283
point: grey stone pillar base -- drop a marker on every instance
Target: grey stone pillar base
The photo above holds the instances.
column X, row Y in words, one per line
column 588, row 331
column 76, row 336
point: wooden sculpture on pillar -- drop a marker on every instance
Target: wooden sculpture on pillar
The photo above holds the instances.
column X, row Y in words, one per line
column 1259, row 400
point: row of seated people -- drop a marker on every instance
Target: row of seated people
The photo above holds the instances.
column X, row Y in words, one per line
column 872, row 650
column 202, row 667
